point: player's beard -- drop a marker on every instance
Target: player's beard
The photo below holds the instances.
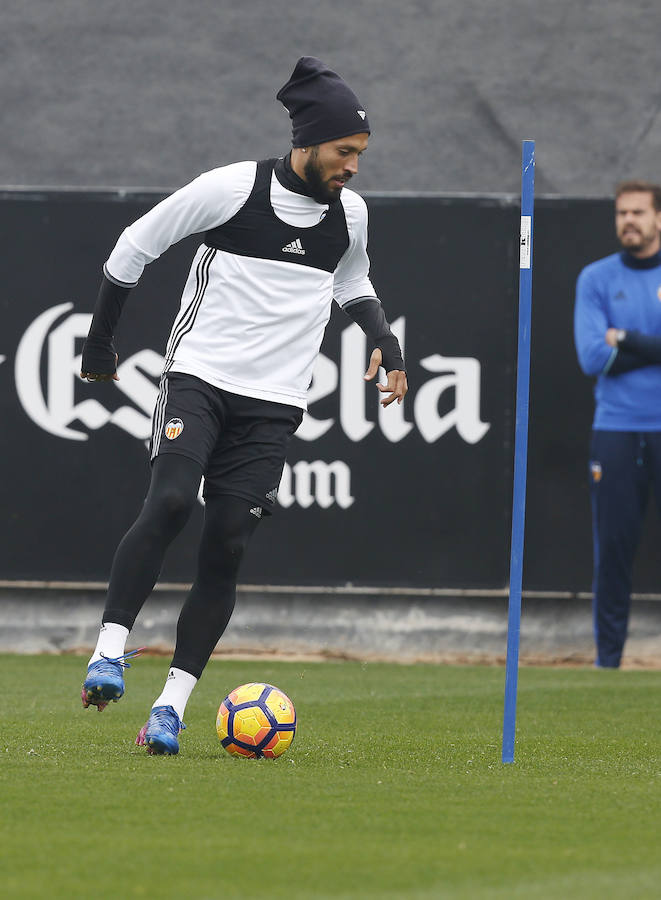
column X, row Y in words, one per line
column 636, row 240
column 320, row 190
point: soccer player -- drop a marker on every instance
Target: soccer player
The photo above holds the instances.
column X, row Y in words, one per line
column 282, row 238
column 618, row 340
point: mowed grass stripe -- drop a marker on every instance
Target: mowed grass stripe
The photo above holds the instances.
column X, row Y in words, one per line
column 393, row 786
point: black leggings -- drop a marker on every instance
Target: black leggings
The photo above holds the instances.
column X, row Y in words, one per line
column 228, row 526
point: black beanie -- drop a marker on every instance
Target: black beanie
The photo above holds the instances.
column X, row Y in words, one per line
column 321, row 106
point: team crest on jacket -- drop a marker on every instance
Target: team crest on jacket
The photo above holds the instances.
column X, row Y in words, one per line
column 173, row 429
column 595, row 469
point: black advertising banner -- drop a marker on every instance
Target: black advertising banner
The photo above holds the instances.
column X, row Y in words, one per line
column 414, row 495
column 369, row 496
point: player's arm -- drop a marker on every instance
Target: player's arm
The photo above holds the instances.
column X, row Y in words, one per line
column 590, row 325
column 211, row 199
column 355, row 294
column 99, row 357
column 633, row 350
column 596, row 354
column 368, row 313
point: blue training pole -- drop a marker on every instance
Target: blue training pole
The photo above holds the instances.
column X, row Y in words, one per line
column 520, row 447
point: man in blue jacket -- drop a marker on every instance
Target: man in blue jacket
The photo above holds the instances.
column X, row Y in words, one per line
column 617, row 328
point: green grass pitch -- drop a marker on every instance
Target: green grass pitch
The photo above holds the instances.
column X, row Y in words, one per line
column 393, row 787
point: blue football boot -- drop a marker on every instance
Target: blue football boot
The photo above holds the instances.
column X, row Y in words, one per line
column 105, row 680
column 159, row 735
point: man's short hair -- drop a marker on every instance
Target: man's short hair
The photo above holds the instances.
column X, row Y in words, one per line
column 637, row 186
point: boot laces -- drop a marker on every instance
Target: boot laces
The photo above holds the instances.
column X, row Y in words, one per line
column 120, row 660
column 166, row 717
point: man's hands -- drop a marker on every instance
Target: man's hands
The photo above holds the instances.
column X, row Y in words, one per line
column 397, row 385
column 98, row 360
column 97, row 376
column 612, row 336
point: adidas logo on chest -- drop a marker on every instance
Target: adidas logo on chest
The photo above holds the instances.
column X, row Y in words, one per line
column 294, row 247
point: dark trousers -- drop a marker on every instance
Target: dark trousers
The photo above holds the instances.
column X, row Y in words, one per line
column 228, row 526
column 624, row 467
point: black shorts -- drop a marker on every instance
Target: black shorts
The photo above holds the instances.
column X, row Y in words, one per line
column 240, row 442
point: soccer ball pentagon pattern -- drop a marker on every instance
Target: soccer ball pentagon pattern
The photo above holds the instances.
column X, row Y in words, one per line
column 256, row 720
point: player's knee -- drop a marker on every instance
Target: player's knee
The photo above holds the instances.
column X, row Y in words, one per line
column 222, row 551
column 231, row 552
column 174, row 503
column 229, row 526
column 173, row 490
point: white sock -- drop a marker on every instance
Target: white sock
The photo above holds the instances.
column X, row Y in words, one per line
column 111, row 642
column 176, row 691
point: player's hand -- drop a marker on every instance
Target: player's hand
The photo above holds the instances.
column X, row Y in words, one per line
column 97, row 376
column 611, row 337
column 397, row 385
column 98, row 359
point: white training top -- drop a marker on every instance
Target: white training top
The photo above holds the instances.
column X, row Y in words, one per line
column 248, row 325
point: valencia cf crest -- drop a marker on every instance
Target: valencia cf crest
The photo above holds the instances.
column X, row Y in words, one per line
column 173, row 429
column 595, row 470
